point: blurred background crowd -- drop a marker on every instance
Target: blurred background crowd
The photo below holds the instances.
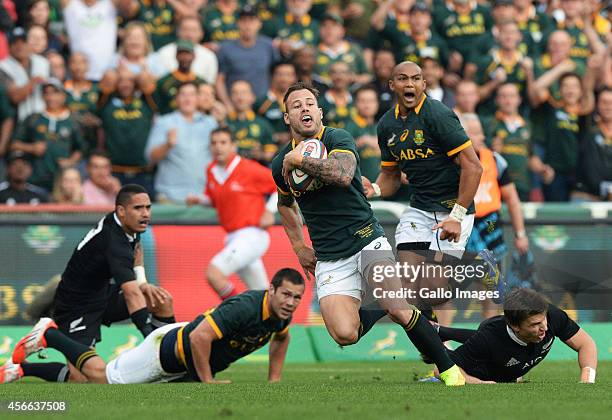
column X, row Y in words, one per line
column 98, row 93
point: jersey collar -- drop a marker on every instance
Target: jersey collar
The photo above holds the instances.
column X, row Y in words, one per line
column 265, row 310
column 318, row 137
column 130, row 237
column 514, row 337
column 417, row 108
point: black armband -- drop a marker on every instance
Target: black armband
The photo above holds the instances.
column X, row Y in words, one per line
column 142, row 319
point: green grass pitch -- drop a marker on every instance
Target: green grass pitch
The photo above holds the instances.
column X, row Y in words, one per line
column 376, row 390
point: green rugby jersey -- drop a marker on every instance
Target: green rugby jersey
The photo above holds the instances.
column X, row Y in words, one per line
column 272, row 109
column 517, row 149
column 407, row 48
column 350, row 53
column 242, row 324
column 219, row 27
column 557, row 129
column 60, row 133
column 336, row 115
column 340, row 220
column 167, row 87
column 251, row 133
column 424, row 145
column 369, row 156
column 462, row 32
column 286, row 27
column 158, row 17
column 127, row 124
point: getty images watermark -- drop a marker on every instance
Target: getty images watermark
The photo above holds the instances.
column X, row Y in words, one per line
column 429, row 276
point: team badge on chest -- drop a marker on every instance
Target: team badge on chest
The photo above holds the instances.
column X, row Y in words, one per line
column 418, row 137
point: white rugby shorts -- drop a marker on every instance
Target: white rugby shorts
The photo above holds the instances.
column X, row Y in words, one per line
column 415, row 226
column 141, row 365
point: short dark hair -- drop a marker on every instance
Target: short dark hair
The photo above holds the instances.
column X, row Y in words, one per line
column 126, row 192
column 280, row 64
column 225, row 130
column 300, row 86
column 289, row 274
column 523, row 303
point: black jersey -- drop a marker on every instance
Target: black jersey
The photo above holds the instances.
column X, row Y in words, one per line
column 242, row 323
column 105, row 253
column 495, row 353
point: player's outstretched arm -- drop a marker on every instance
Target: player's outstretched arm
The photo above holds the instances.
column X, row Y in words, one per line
column 201, row 340
column 587, row 355
column 278, row 350
column 292, row 223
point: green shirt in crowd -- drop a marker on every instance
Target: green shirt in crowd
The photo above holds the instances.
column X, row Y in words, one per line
column 516, row 137
column 126, row 124
column 167, row 87
column 158, row 17
column 252, row 134
column 369, row 156
column 61, row 134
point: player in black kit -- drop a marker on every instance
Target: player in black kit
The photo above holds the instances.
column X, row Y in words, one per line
column 101, row 283
column 506, row 347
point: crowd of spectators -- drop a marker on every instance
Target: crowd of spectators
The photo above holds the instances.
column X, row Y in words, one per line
column 98, row 93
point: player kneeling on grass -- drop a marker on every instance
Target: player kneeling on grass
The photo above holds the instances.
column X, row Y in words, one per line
column 506, row 347
column 194, row 351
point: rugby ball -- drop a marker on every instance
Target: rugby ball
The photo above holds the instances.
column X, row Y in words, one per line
column 300, row 180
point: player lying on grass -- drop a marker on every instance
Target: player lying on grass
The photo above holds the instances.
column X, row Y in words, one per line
column 506, row 347
column 193, row 351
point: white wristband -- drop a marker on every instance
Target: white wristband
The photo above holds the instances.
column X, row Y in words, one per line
column 376, row 189
column 458, row 212
column 141, row 277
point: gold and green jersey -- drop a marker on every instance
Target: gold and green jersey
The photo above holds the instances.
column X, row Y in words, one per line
column 544, row 63
column 557, row 130
column 336, row 114
column 80, row 103
column 272, row 109
column 340, row 220
column 517, row 140
column 580, row 44
column 126, row 124
column 488, row 65
column 242, row 324
column 287, row 27
column 388, row 36
column 348, row 53
column 167, row 87
column 369, row 156
column 219, row 27
column 463, row 31
column 406, row 48
column 535, row 27
column 62, row 135
column 158, row 17
column 424, row 145
column 251, row 133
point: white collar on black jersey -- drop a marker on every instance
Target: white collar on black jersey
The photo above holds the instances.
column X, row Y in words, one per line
column 130, row 238
column 514, row 337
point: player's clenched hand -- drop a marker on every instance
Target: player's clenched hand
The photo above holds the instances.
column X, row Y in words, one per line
column 307, row 259
column 367, row 187
column 154, row 295
column 292, row 160
column 451, row 229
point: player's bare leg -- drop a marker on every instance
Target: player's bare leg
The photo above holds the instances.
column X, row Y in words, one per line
column 219, row 282
column 341, row 316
